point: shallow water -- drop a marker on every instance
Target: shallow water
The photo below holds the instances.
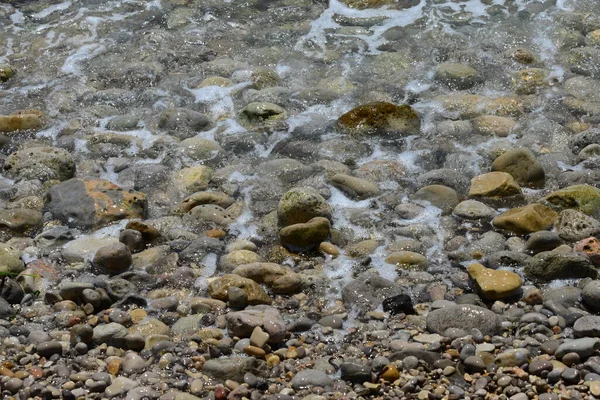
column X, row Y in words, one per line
column 140, row 58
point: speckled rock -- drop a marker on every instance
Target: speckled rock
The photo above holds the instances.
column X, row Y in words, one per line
column 590, row 247
column 492, row 125
column 473, row 209
column 279, row 279
column 19, row 222
column 234, row 368
column 550, row 265
column 43, row 163
column 573, row 225
column 10, row 259
column 465, row 317
column 217, row 289
column 298, row 205
column 20, row 122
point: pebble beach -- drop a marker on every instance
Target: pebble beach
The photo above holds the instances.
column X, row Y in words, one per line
column 300, row 199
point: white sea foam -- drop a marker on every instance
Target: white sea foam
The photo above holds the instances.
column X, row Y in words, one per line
column 85, row 52
column 52, row 9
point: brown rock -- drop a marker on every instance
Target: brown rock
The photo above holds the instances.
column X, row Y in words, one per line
column 20, row 122
column 307, row 236
column 217, row 198
column 407, row 259
column 355, row 187
column 493, row 125
column 278, row 278
column 440, row 196
column 19, row 222
column 494, row 186
column 522, row 165
column 218, row 289
column 113, row 259
column 527, row 219
column 380, row 118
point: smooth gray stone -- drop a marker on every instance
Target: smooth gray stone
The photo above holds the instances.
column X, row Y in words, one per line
column 585, row 347
column 465, row 317
column 50, row 348
column 588, row 325
column 310, row 378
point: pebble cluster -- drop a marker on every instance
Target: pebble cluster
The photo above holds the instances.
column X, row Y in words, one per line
column 282, row 200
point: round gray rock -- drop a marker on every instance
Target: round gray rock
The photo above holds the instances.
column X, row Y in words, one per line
column 465, row 317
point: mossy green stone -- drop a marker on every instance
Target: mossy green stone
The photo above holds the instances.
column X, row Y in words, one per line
column 10, row 260
column 6, row 72
column 583, row 198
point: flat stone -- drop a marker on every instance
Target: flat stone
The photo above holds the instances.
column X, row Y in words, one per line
column 526, row 219
column 550, row 265
column 310, row 378
column 355, row 188
column 234, row 368
column 585, row 347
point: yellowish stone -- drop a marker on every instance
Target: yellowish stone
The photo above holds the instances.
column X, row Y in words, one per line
column 494, row 185
column 390, row 373
column 407, row 259
column 329, row 248
column 494, row 284
column 137, row 315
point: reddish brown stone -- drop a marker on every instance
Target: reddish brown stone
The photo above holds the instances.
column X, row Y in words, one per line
column 591, row 247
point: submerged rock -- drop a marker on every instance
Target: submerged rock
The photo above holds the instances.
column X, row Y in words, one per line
column 457, row 76
column 93, row 203
column 301, row 204
column 305, row 236
column 380, row 118
column 43, row 163
column 368, row 291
